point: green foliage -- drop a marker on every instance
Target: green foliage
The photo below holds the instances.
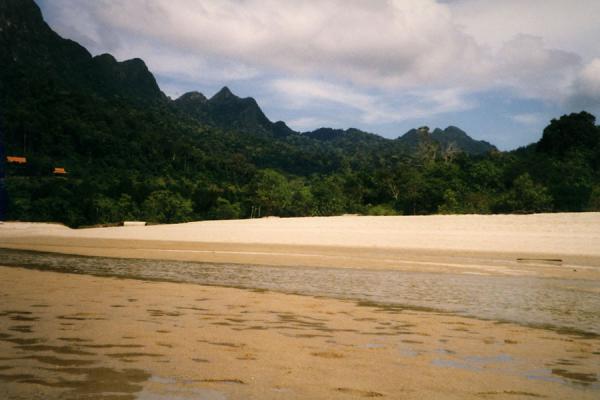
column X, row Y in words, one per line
column 223, row 209
column 302, row 201
column 108, row 210
column 381, row 209
column 272, row 193
column 328, row 196
column 594, row 202
column 574, row 131
column 526, row 196
column 165, row 206
column 451, row 203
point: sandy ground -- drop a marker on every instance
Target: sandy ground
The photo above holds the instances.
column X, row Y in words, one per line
column 72, row 336
column 554, row 245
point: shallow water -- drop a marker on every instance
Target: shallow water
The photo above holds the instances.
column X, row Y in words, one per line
column 567, row 304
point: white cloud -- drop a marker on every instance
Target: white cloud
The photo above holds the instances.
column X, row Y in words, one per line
column 385, row 59
column 375, row 43
column 371, row 107
column 385, row 44
column 533, row 70
column 303, row 91
column 528, row 119
column 304, row 124
column 585, row 91
column 183, row 66
column 567, row 25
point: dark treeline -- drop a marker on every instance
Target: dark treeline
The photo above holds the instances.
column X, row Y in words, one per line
column 150, row 163
column 132, row 153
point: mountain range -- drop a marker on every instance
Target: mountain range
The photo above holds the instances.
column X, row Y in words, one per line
column 228, row 111
column 29, row 43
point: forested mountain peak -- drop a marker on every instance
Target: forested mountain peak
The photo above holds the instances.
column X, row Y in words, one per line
column 573, row 132
column 23, row 16
column 225, row 94
column 451, row 136
column 129, row 78
column 227, row 111
column 192, row 97
column 28, row 47
column 226, row 98
column 281, row 129
column 462, row 140
column 324, row 133
column 194, row 105
column 452, row 131
column 350, row 134
column 411, row 134
column 28, row 42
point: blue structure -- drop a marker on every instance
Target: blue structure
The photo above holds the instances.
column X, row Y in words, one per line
column 3, row 191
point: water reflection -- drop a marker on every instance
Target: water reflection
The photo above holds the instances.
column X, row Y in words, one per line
column 567, row 304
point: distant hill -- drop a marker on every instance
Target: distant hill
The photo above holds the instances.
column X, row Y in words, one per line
column 30, row 48
column 228, row 111
column 331, row 134
column 451, row 136
column 409, row 142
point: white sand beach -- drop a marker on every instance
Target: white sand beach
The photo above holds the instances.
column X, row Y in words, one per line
column 505, row 244
column 567, row 233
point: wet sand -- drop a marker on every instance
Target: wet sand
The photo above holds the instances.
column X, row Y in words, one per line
column 551, row 303
column 78, row 336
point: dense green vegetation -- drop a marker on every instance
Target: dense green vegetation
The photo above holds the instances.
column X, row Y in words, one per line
column 132, row 153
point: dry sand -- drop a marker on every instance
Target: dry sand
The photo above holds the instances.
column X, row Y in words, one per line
column 489, row 244
column 72, row 336
column 566, row 233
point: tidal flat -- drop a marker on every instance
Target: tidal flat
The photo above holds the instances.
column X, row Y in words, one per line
column 64, row 335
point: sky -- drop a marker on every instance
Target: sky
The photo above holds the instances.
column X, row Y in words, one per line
column 500, row 70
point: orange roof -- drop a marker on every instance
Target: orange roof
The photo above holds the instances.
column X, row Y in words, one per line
column 59, row 170
column 16, row 160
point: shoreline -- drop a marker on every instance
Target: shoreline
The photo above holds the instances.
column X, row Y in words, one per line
column 410, row 260
column 63, row 334
column 158, row 339
column 314, row 281
column 548, row 245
